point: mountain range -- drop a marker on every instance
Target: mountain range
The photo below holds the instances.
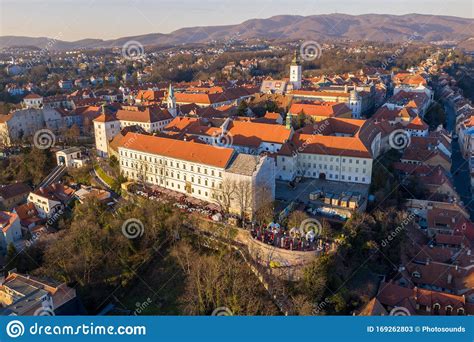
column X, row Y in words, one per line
column 321, row 28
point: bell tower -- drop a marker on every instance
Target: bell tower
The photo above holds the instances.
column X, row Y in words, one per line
column 171, row 101
column 295, row 72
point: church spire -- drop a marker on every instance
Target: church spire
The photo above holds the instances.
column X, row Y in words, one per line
column 295, row 60
column 288, row 120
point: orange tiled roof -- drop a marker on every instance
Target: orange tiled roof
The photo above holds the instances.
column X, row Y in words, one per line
column 184, row 150
column 417, row 124
column 149, row 114
column 319, row 93
column 327, row 109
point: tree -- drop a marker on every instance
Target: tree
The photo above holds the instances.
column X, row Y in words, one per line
column 296, row 218
column 72, row 134
column 223, row 194
column 314, row 279
column 11, row 257
column 244, row 197
column 220, row 280
column 301, row 119
column 242, row 109
column 265, row 206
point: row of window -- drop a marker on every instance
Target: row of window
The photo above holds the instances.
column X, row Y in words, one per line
column 331, row 168
column 171, row 185
column 177, row 165
column 332, row 176
column 171, row 174
column 330, row 159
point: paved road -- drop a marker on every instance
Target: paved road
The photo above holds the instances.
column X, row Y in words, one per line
column 459, row 166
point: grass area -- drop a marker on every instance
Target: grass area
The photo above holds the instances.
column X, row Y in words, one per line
column 105, row 177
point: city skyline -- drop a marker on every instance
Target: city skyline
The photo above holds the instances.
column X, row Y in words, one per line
column 108, row 20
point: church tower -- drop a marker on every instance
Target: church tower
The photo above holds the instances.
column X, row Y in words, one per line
column 295, row 72
column 171, row 102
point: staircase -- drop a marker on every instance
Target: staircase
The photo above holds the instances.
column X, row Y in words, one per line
column 53, row 177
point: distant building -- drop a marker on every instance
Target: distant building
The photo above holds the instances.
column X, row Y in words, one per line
column 65, row 84
column 10, row 229
column 33, row 101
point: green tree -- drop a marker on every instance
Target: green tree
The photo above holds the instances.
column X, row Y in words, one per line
column 242, row 109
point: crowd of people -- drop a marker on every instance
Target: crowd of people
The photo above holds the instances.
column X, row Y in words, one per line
column 276, row 236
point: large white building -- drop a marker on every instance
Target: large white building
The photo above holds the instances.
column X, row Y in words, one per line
column 202, row 171
column 332, row 149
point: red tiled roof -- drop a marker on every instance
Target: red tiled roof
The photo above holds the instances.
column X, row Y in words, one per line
column 417, row 124
column 13, row 190
column 33, row 96
column 184, row 150
column 327, row 109
column 7, row 219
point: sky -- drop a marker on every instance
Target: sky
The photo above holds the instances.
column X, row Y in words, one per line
column 105, row 19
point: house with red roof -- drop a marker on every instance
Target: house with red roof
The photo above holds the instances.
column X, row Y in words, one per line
column 33, row 101
column 417, row 128
column 10, row 229
column 321, row 110
column 399, row 300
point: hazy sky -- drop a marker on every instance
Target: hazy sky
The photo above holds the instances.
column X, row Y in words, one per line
column 76, row 19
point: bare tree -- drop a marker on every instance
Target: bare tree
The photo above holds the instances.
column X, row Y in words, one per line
column 265, row 206
column 223, row 194
column 244, row 197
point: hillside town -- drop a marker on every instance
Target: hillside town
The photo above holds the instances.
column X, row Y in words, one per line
column 310, row 177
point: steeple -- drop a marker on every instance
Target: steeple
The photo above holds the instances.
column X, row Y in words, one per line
column 296, row 71
column 171, row 101
column 295, row 60
column 288, row 121
column 170, row 91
